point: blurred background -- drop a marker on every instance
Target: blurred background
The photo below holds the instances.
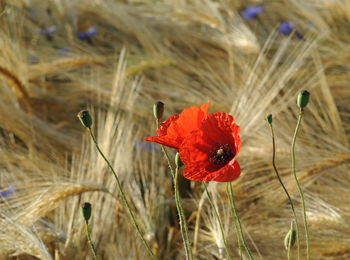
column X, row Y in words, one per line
column 117, row 58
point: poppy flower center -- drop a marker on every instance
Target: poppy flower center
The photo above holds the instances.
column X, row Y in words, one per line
column 222, row 154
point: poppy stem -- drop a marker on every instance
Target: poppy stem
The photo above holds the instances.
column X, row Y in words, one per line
column 93, row 250
column 285, row 190
column 236, row 216
column 218, row 219
column 127, row 205
column 183, row 223
column 239, row 242
column 301, row 112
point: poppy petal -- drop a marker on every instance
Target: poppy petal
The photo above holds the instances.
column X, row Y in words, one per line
column 164, row 140
column 173, row 130
column 194, row 148
column 216, row 129
column 227, row 173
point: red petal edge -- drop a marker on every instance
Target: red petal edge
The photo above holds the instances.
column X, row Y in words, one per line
column 227, row 173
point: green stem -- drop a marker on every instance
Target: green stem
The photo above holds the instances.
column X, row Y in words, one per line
column 183, row 223
column 93, row 250
column 131, row 214
column 236, row 216
column 236, row 227
column 301, row 112
column 218, row 219
column 285, row 190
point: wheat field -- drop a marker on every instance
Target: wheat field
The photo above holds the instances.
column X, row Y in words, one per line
column 182, row 52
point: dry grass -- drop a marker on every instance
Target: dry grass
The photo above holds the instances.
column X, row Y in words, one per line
column 183, row 53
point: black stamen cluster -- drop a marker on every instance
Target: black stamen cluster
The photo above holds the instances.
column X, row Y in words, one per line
column 222, row 154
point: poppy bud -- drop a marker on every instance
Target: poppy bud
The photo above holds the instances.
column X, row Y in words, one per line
column 158, row 110
column 178, row 161
column 303, row 99
column 86, row 211
column 291, row 236
column 85, row 118
column 269, row 119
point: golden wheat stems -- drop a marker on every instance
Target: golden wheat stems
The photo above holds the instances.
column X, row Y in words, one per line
column 269, row 121
column 236, row 217
column 218, row 219
column 301, row 112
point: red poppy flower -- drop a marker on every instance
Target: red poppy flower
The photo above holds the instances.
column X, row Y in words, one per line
column 173, row 130
column 208, row 143
column 209, row 153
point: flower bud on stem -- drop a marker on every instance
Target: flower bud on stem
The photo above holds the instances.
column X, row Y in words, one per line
column 86, row 213
column 86, row 120
column 269, row 120
column 302, row 101
column 158, row 110
column 178, row 161
column 290, row 238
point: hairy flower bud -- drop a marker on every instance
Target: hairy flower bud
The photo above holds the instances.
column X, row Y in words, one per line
column 85, row 118
column 291, row 236
column 158, row 110
column 269, row 119
column 86, row 211
column 303, row 99
column 178, row 161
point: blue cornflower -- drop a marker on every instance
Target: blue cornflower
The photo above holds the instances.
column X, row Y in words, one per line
column 88, row 34
column 9, row 192
column 252, row 12
column 286, row 28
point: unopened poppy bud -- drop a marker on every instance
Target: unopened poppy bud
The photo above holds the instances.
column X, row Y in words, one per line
column 158, row 110
column 85, row 118
column 269, row 119
column 86, row 211
column 303, row 99
column 291, row 236
column 178, row 161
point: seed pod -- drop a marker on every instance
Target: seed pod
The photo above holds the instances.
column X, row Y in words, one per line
column 158, row 110
column 178, row 161
column 291, row 236
column 86, row 211
column 85, row 118
column 303, row 99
